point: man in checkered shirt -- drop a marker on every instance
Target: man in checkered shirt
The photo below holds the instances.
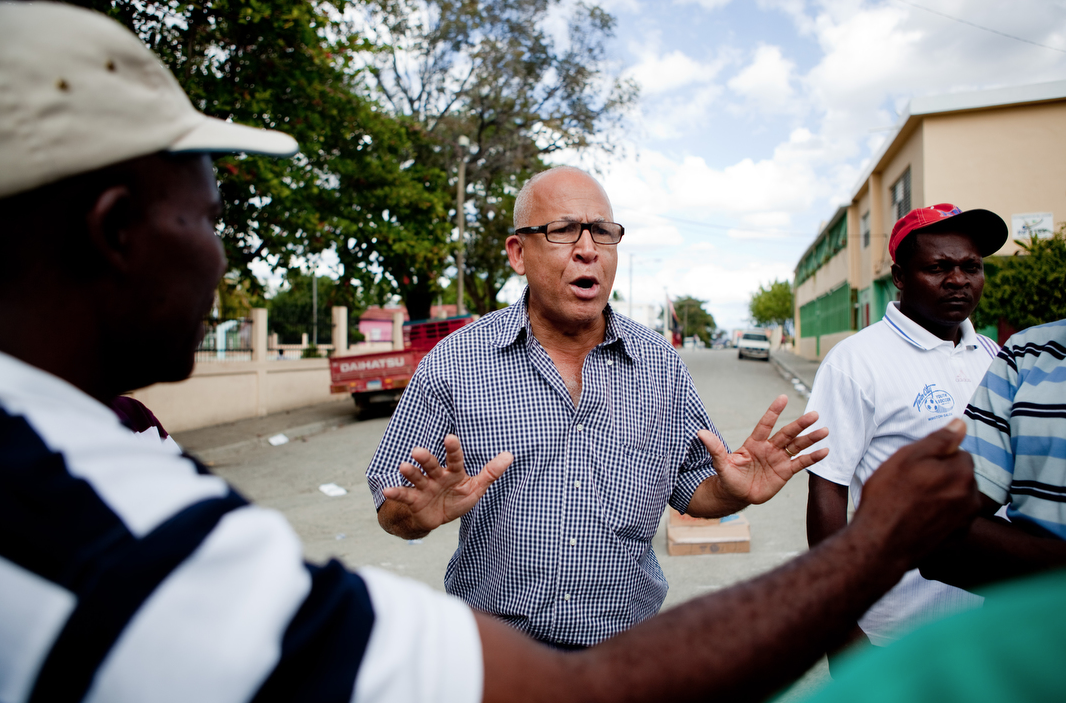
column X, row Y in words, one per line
column 597, row 418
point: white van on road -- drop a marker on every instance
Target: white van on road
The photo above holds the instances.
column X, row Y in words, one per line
column 754, row 344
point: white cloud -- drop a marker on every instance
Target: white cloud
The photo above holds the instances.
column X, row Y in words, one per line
column 705, row 4
column 766, row 82
column 869, row 59
column 618, row 6
column 661, row 73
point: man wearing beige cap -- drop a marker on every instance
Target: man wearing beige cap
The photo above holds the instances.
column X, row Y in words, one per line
column 129, row 573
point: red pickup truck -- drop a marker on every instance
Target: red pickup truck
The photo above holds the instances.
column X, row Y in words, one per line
column 374, row 379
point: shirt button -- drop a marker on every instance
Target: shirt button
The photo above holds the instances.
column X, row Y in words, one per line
column 566, row 596
column 577, row 484
column 573, row 541
column 610, row 362
column 579, row 427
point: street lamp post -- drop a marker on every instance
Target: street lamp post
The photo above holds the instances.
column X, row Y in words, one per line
column 464, row 145
column 630, row 286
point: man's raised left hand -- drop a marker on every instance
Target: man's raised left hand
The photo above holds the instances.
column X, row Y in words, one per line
column 756, row 471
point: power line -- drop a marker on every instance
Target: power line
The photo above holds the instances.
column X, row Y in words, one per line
column 977, row 26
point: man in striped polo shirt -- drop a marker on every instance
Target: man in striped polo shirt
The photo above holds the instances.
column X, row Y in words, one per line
column 129, row 573
column 897, row 380
column 1016, row 432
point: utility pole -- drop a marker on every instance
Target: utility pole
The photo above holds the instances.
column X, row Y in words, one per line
column 630, row 286
column 314, row 303
column 684, row 326
column 464, row 145
column 667, row 332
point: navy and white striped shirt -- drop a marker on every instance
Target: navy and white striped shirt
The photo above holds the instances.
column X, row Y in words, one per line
column 560, row 545
column 129, row 574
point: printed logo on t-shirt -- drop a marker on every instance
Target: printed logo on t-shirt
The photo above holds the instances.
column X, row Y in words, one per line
column 934, row 401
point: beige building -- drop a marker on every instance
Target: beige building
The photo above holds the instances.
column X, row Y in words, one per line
column 1002, row 150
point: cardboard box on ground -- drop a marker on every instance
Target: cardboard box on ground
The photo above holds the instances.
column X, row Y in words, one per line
column 690, row 535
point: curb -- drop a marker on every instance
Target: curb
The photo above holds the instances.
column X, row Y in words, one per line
column 791, row 376
column 214, row 454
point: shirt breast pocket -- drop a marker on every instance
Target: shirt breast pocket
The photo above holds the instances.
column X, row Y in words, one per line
column 634, row 487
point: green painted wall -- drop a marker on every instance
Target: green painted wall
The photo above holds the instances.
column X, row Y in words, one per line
column 831, row 313
column 884, row 290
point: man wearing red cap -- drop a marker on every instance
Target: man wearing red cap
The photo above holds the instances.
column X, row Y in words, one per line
column 900, row 379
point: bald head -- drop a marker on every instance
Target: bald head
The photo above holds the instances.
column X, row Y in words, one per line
column 569, row 282
column 539, row 186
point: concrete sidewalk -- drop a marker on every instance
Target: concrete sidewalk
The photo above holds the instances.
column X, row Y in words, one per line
column 796, row 370
column 211, row 444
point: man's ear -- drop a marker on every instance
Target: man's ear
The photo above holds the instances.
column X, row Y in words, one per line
column 515, row 254
column 897, row 276
column 109, row 224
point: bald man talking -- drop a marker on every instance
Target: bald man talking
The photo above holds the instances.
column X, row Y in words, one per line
column 558, row 431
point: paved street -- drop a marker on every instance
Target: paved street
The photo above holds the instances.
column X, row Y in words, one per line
column 287, row 477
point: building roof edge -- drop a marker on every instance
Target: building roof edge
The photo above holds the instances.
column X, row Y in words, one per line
column 961, row 102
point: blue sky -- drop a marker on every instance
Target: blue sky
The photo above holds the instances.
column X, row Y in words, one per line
column 757, row 118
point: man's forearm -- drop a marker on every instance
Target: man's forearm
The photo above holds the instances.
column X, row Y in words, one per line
column 748, row 641
column 994, row 550
column 396, row 519
column 710, row 500
column 743, row 643
column 827, row 508
column 827, row 514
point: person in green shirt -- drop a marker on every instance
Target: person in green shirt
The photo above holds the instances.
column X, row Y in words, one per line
column 1013, row 649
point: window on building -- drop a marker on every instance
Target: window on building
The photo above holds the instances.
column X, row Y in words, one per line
column 864, row 229
column 901, row 195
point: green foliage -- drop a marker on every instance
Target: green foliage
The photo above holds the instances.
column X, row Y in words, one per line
column 235, row 298
column 695, row 321
column 289, row 312
column 489, row 70
column 376, row 182
column 1026, row 289
column 356, row 184
column 772, row 304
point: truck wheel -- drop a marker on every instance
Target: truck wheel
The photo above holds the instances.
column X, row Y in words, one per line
column 740, row 355
column 362, row 404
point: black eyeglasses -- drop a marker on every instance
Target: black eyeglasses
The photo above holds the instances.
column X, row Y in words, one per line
column 563, row 232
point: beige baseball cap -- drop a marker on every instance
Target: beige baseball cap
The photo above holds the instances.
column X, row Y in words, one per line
column 78, row 92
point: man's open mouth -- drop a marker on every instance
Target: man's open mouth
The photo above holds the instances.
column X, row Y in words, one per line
column 585, row 287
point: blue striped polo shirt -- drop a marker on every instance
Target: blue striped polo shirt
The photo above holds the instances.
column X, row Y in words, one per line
column 1016, row 428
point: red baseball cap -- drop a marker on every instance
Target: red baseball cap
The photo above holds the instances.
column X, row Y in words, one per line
column 986, row 228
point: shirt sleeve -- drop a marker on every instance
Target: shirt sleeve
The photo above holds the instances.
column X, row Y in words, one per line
column 697, row 465
column 422, row 419
column 425, row 645
column 988, row 436
column 845, row 408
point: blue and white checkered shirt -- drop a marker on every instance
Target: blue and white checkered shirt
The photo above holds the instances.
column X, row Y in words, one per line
column 560, row 545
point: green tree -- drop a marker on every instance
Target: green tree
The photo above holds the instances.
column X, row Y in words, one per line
column 290, row 311
column 489, row 70
column 1026, row 289
column 773, row 305
column 357, row 184
column 235, row 299
column 695, row 321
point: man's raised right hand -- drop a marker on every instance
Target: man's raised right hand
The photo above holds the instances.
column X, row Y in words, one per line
column 438, row 494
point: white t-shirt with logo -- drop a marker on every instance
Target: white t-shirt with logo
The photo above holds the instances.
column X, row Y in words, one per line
column 877, row 391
